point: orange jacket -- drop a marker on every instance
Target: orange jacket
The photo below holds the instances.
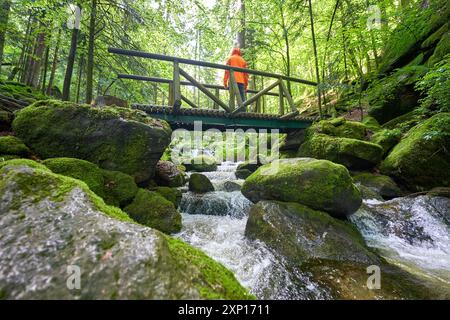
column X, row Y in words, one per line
column 236, row 60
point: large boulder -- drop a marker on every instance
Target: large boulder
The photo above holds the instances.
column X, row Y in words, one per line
column 387, row 139
column 168, row 174
column 331, row 251
column 153, row 210
column 10, row 145
column 352, row 153
column 52, row 225
column 421, row 160
column 200, row 183
column 116, row 139
column 318, row 184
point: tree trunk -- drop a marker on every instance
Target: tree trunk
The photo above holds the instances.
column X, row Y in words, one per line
column 70, row 64
column 5, row 6
column 45, row 68
column 90, row 58
column 241, row 34
column 315, row 57
column 80, row 74
column 55, row 63
column 33, row 72
column 27, row 44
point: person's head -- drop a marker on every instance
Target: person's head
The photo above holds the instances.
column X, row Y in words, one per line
column 236, row 51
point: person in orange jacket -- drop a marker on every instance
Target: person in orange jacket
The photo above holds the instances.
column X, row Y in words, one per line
column 236, row 60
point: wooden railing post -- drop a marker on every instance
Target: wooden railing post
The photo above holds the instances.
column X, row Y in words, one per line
column 217, row 94
column 176, row 87
column 171, row 91
column 281, row 97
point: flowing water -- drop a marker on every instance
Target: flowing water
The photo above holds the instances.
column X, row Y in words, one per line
column 215, row 222
column 411, row 233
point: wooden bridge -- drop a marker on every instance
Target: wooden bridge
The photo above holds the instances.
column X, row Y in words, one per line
column 231, row 115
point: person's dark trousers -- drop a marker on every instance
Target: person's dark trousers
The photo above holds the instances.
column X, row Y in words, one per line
column 241, row 87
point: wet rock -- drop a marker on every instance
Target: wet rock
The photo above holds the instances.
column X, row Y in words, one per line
column 382, row 185
column 51, row 222
column 168, row 174
column 421, row 160
column 115, row 139
column 318, row 184
column 243, row 174
column 199, row 183
column 230, row 186
column 330, row 250
column 153, row 210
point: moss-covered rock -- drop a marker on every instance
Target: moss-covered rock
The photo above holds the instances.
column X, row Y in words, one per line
column 340, row 127
column 116, row 139
column 82, row 170
column 371, row 123
column 387, row 139
column 13, row 146
column 442, row 49
column 243, row 174
column 352, row 153
column 395, row 95
column 421, row 160
column 21, row 91
column 170, row 175
column 382, row 185
column 23, row 162
column 200, row 183
column 153, row 210
column 172, row 194
column 202, row 163
column 119, row 188
column 6, row 157
column 48, row 218
column 319, row 184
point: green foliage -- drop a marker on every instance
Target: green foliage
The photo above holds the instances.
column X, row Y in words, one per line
column 436, row 87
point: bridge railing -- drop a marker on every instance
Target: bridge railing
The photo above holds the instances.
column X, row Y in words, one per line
column 235, row 104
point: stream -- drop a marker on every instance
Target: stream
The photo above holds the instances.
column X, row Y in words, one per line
column 215, row 223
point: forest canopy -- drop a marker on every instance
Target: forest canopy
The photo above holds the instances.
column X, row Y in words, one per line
column 333, row 42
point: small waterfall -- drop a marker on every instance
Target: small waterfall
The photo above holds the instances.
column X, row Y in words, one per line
column 413, row 233
column 215, row 222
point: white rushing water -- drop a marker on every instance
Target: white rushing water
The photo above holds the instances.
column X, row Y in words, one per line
column 413, row 233
column 215, row 222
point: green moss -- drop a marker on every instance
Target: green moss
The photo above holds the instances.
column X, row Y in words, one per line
column 216, row 282
column 13, row 146
column 78, row 169
column 23, row 162
column 387, row 139
column 172, row 194
column 442, row 49
column 382, row 185
column 116, row 139
column 352, row 153
column 20, row 91
column 319, row 184
column 200, row 183
column 153, row 210
column 6, row 157
column 371, row 123
column 119, row 188
column 340, row 127
column 420, row 160
column 37, row 182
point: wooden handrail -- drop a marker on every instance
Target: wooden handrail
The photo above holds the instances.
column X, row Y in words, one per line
column 134, row 53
